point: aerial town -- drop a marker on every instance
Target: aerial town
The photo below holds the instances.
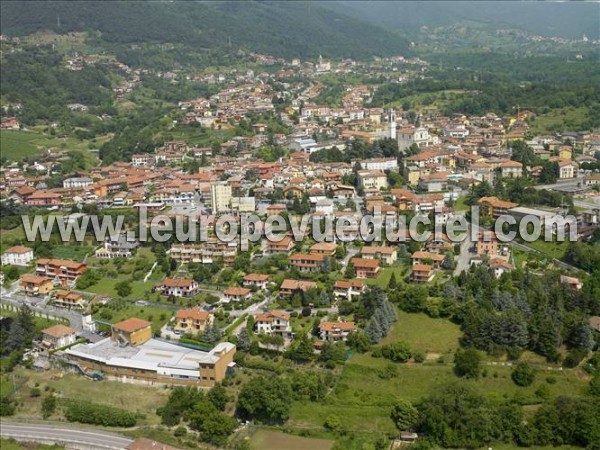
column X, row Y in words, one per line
column 287, row 342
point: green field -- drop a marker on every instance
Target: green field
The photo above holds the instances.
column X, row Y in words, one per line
column 424, row 334
column 384, row 277
column 73, row 252
column 132, row 397
column 11, row 444
column 553, row 249
column 276, row 440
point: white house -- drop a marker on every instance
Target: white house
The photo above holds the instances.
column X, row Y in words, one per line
column 17, row 256
column 58, row 336
column 274, row 323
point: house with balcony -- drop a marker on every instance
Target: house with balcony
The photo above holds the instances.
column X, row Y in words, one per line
column 283, row 246
column 365, row 268
column 347, row 290
column 35, row 285
column 421, row 273
column 335, row 331
column 323, row 248
column 63, row 271
column 273, row 323
column 192, row 320
column 307, row 262
column 68, row 299
column 433, row 259
column 179, row 287
column 58, row 336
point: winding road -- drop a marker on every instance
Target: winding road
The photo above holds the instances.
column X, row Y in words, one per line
column 72, row 437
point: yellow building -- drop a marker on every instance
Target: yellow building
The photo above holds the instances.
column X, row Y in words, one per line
column 35, row 285
column 132, row 331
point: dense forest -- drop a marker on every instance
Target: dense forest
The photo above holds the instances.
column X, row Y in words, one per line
column 285, row 29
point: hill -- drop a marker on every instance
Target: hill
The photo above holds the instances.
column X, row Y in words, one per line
column 564, row 19
column 284, row 29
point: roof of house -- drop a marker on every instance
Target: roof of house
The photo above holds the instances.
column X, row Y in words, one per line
column 323, row 247
column 500, row 263
column 20, row 249
column 132, row 324
column 422, row 268
column 332, row 326
column 177, row 282
column 366, row 263
column 373, row 250
column 298, row 284
column 237, row 291
column 307, row 257
column 427, row 255
column 193, row 313
column 270, row 315
column 60, row 262
column 256, row 277
column 497, row 203
column 34, row 279
column 58, row 331
column 343, row 284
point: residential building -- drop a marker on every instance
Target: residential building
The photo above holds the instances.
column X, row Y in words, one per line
column 323, row 248
column 336, row 331
column 372, row 179
column 347, row 290
column 307, row 262
column 511, row 169
column 221, row 196
column 58, row 336
column 291, row 287
column 500, row 266
column 118, row 248
column 18, row 255
column 494, row 207
column 365, row 268
column 487, row 244
column 35, row 285
column 285, row 246
column 192, row 320
column 274, row 323
column 68, row 299
column 434, row 259
column 179, row 287
column 387, row 255
column 63, row 271
column 379, row 164
column 257, row 280
column 421, row 273
column 236, row 294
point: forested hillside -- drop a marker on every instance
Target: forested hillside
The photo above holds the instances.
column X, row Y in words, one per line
column 286, row 29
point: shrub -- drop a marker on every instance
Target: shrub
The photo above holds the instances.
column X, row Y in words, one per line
column 35, row 392
column 573, row 358
column 180, row 431
column 397, row 352
column 419, row 357
column 523, row 375
column 467, row 363
column 96, row 414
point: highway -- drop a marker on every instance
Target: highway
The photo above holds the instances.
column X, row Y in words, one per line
column 71, row 437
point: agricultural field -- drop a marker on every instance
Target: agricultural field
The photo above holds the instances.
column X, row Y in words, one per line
column 276, row 440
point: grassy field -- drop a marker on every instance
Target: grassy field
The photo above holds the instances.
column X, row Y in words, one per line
column 553, row 249
column 132, row 397
column 276, row 440
column 73, row 252
column 559, row 119
column 384, row 277
column 424, row 334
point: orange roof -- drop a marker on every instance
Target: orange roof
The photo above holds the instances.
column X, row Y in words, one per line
column 365, row 263
column 422, row 268
column 427, row 255
column 34, row 279
column 258, row 277
column 298, row 284
column 60, row 262
column 497, row 203
column 307, row 257
column 177, row 282
column 19, row 249
column 132, row 324
column 342, row 284
column 270, row 315
column 237, row 291
column 192, row 313
column 373, row 250
column 332, row 326
column 58, row 331
column 499, row 262
column 323, row 247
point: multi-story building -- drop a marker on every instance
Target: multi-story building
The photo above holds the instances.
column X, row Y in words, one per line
column 494, row 207
column 63, row 271
column 68, row 299
column 118, row 248
column 336, row 331
column 291, row 287
column 257, row 280
column 365, row 268
column 434, row 259
column 323, row 248
column 179, row 287
column 421, row 273
column 35, row 285
column 221, row 196
column 372, row 179
column 387, row 255
column 348, row 289
column 192, row 320
column 285, row 246
column 487, row 244
column 58, row 336
column 273, row 323
column 410, row 135
column 307, row 262
column 17, row 256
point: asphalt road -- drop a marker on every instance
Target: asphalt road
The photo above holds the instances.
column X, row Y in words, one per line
column 79, row 437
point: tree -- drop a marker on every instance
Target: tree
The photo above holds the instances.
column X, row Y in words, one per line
column 349, row 272
column 48, row 406
column 265, row 400
column 218, row 397
column 359, row 341
column 405, row 415
column 303, row 351
column 123, row 288
column 523, row 375
column 397, row 352
column 448, row 262
column 393, row 283
column 467, row 363
column 244, row 340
